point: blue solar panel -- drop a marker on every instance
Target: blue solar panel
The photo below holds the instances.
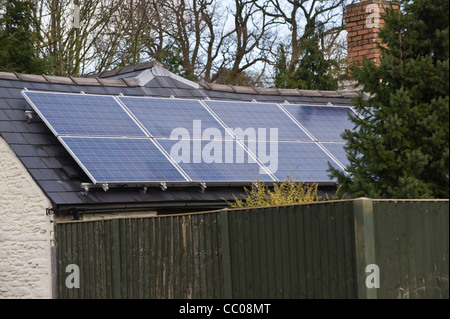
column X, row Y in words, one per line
column 214, row 161
column 338, row 151
column 249, row 117
column 325, row 123
column 166, row 117
column 303, row 162
column 122, row 160
column 105, row 136
column 83, row 114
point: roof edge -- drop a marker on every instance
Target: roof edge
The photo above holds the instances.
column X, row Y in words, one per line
column 67, row 80
column 159, row 70
column 276, row 91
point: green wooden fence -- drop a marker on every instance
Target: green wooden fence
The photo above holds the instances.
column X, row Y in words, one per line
column 315, row 250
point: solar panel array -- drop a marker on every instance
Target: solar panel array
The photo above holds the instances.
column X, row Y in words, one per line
column 143, row 140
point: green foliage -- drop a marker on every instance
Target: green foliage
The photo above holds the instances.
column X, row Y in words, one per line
column 288, row 192
column 400, row 148
column 312, row 71
column 18, row 39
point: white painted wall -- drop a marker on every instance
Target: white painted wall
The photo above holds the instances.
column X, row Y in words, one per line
column 25, row 232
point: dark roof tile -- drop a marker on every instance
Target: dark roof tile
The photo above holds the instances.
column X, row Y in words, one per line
column 4, row 105
column 16, row 115
column 163, row 92
column 95, row 90
column 27, row 150
column 5, row 126
column 126, row 69
column 39, row 139
column 33, row 162
column 165, row 82
column 182, row 93
column 18, row 104
column 46, row 174
column 14, row 138
column 41, row 86
column 7, row 93
column 199, row 93
column 52, row 186
column 7, row 83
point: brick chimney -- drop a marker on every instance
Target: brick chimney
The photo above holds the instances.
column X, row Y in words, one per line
column 364, row 20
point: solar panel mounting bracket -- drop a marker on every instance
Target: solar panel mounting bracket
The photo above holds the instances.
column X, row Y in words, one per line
column 29, row 115
column 105, row 186
column 163, row 186
column 202, row 187
column 86, row 187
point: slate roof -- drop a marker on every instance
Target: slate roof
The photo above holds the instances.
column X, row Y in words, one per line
column 59, row 176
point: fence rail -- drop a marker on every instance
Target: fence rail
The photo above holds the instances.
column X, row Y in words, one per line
column 315, row 250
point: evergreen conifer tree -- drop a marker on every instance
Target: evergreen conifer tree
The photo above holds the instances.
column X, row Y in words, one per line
column 312, row 71
column 18, row 38
column 400, row 145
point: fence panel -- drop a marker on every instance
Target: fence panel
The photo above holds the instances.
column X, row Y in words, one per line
column 162, row 257
column 412, row 248
column 298, row 251
column 315, row 250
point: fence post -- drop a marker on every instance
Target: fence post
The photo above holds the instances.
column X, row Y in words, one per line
column 116, row 259
column 226, row 257
column 364, row 245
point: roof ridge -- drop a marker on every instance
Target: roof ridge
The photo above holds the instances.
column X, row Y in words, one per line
column 134, row 82
column 127, row 69
column 68, row 80
column 276, row 91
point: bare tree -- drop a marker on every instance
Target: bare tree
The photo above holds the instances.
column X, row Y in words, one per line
column 301, row 17
column 71, row 48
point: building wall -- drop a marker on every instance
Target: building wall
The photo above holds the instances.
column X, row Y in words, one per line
column 25, row 232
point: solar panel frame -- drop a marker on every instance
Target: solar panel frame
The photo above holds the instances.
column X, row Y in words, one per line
column 320, row 131
column 183, row 109
column 115, row 150
column 71, row 114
